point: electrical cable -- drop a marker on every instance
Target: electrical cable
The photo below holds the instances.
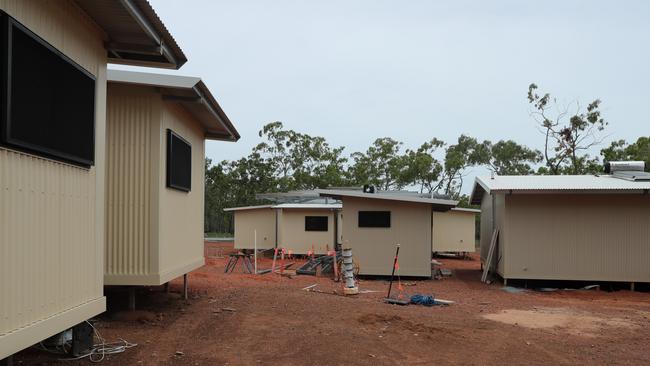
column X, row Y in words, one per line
column 99, row 350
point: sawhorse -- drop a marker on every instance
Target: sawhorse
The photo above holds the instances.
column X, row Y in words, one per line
column 234, row 258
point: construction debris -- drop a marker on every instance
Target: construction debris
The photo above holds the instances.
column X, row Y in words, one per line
column 310, row 268
column 275, row 269
column 389, row 300
column 444, row 272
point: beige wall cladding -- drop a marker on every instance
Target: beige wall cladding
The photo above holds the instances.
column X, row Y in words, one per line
column 374, row 248
column 154, row 233
column 592, row 237
column 293, row 235
column 248, row 221
column 493, row 215
column 454, row 231
column 52, row 213
column 487, row 225
column 133, row 115
column 181, row 213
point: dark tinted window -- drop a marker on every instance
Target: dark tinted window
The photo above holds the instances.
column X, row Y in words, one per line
column 179, row 162
column 374, row 218
column 315, row 223
column 48, row 101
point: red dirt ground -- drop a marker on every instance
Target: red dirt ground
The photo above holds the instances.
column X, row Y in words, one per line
column 274, row 322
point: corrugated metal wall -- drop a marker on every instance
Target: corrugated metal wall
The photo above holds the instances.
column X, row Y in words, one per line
column 47, row 223
column 600, row 237
column 51, row 214
column 493, row 216
column 454, row 231
column 487, row 225
column 130, row 121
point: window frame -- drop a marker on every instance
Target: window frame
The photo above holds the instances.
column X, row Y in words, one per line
column 170, row 135
column 319, row 217
column 7, row 25
column 390, row 219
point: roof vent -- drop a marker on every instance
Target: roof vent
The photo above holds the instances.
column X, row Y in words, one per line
column 628, row 166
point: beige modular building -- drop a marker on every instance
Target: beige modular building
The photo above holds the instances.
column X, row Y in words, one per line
column 156, row 128
column 299, row 227
column 374, row 223
column 587, row 228
column 455, row 230
column 52, row 154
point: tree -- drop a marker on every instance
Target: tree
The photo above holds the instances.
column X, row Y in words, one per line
column 300, row 161
column 510, row 158
column 569, row 133
column 467, row 152
column 381, row 165
column 621, row 150
column 422, row 168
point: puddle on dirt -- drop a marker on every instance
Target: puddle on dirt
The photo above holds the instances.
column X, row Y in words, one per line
column 576, row 323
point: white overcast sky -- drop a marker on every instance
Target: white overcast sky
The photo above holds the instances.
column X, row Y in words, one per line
column 355, row 70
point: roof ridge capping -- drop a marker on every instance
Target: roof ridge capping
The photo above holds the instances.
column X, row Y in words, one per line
column 555, row 184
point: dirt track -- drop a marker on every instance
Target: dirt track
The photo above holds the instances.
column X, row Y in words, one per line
column 274, row 322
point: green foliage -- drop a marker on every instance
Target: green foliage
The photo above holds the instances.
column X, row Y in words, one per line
column 381, row 165
column 510, row 158
column 467, row 152
column 569, row 133
column 620, row 150
column 298, row 161
column 422, row 169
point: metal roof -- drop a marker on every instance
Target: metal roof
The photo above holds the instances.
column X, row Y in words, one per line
column 439, row 204
column 463, row 209
column 135, row 35
column 555, row 184
column 247, row 208
column 191, row 93
column 302, row 196
column 317, row 206
column 330, row 206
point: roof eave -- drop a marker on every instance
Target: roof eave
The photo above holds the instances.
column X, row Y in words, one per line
column 214, row 108
column 151, row 45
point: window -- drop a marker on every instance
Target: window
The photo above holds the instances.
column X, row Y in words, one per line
column 47, row 101
column 315, row 223
column 179, row 162
column 374, row 218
